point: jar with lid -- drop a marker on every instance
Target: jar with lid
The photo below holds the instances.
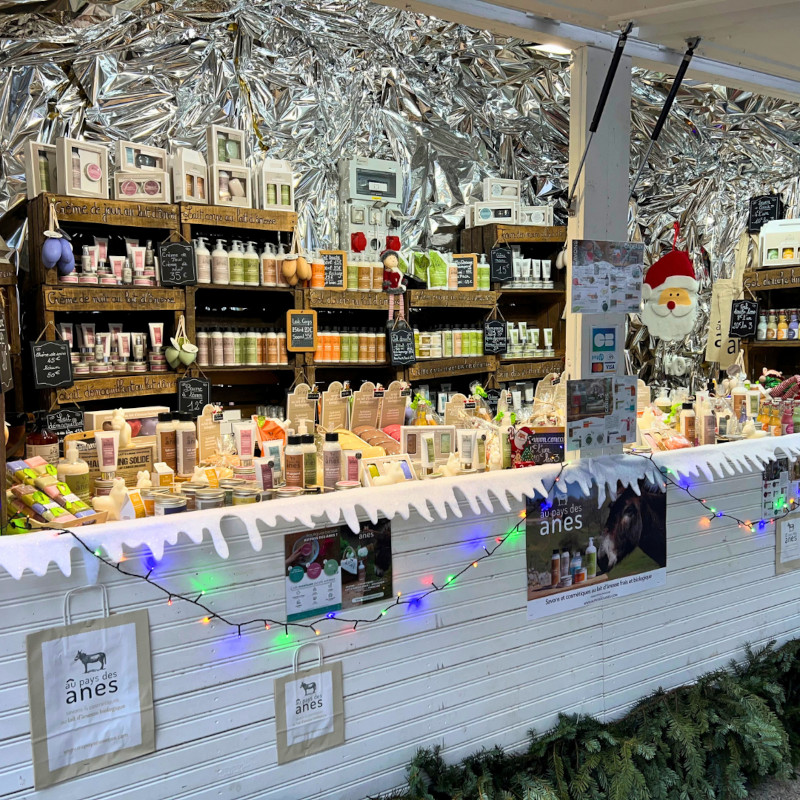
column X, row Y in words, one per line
column 41, row 441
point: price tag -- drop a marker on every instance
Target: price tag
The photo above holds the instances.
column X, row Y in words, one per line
column 177, row 262
column 52, row 365
column 744, row 318
column 335, row 269
column 194, row 394
column 400, row 343
column 301, row 331
column 495, row 337
column 501, row 264
column 466, row 271
column 764, row 208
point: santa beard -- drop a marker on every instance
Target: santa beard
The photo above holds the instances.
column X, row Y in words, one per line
column 668, row 325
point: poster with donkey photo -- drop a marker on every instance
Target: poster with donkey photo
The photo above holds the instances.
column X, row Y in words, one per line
column 580, row 551
column 90, row 692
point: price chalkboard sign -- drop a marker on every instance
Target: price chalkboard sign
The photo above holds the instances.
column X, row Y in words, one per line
column 301, row 331
column 178, row 266
column 744, row 318
column 495, row 337
column 466, row 271
column 6, row 376
column 194, row 394
column 501, row 264
column 52, row 365
column 763, row 209
column 335, row 269
column 400, row 343
column 65, row 421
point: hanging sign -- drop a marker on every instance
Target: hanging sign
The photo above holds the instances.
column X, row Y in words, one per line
column 177, row 262
column 90, row 692
column 764, row 208
column 6, row 376
column 400, row 343
column 65, row 421
column 495, row 337
column 194, row 394
column 335, row 269
column 52, row 365
column 301, row 331
column 744, row 318
column 501, row 264
column 466, row 270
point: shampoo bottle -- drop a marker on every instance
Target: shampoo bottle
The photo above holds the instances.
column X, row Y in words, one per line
column 165, row 441
column 293, row 455
column 252, row 266
column 203, row 260
column 591, row 559
column 236, row 261
column 220, row 266
column 331, row 461
column 74, row 471
column 687, row 422
column 185, row 444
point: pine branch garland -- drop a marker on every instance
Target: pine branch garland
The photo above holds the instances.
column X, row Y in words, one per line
column 709, row 740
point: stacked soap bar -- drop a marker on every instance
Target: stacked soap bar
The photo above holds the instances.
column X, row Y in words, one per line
column 37, row 493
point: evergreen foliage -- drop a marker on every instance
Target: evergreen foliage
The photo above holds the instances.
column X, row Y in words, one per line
column 706, row 741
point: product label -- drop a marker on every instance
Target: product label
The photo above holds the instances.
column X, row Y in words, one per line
column 49, row 452
column 294, row 469
column 166, row 448
column 187, row 451
column 310, row 468
column 138, row 504
column 79, row 485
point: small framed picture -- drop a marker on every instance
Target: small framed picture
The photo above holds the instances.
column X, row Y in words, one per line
column 82, row 168
column 231, row 186
column 145, row 187
column 275, row 185
column 226, row 146
column 189, row 176
column 40, row 168
column 132, row 157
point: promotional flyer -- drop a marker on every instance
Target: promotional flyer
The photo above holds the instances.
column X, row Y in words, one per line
column 579, row 551
column 334, row 568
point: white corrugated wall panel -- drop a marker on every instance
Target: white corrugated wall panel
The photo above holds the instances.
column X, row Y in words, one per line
column 465, row 670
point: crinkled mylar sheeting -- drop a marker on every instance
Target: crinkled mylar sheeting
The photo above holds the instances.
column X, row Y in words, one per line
column 317, row 81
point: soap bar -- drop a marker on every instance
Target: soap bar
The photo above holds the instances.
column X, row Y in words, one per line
column 45, row 481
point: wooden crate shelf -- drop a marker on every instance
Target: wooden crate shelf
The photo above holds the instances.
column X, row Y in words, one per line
column 441, row 298
column 483, row 238
column 527, row 369
column 764, row 280
column 345, row 301
column 110, row 298
column 431, row 369
column 232, row 217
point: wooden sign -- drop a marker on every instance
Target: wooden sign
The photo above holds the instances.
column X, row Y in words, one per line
column 466, row 271
column 501, row 264
column 301, row 331
column 335, row 269
column 6, row 375
column 194, row 394
column 52, row 365
column 65, row 421
column 763, row 209
column 495, row 337
column 178, row 267
column 400, row 345
column 744, row 318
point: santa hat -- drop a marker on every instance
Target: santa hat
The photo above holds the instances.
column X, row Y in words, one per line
column 672, row 271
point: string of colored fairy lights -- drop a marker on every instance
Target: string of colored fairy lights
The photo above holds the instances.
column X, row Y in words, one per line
column 267, row 623
column 786, row 507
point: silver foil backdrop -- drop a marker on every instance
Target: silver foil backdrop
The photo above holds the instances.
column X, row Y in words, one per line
column 314, row 81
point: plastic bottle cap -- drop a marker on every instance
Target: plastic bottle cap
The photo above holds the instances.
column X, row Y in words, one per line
column 308, row 438
column 165, row 416
column 331, row 437
column 687, row 405
column 294, row 439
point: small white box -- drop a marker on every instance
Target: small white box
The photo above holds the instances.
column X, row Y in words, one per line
column 502, row 189
column 132, row 157
column 499, row 211
column 536, row 215
column 82, row 168
column 779, row 243
column 226, row 146
column 189, row 176
column 231, row 186
column 144, row 187
column 40, row 168
column 275, row 185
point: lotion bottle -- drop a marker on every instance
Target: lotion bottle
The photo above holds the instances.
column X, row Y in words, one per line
column 309, row 459
column 165, row 441
column 331, row 461
column 687, row 422
column 252, row 265
column 203, row 260
column 293, row 455
column 236, row 261
column 74, row 471
column 220, row 266
column 185, row 444
column 591, row 559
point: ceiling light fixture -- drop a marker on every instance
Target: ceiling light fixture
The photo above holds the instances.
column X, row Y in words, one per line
column 553, row 49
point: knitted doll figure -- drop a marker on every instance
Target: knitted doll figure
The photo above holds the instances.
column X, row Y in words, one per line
column 393, row 282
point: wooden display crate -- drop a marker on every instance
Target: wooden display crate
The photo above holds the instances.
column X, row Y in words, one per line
column 483, row 238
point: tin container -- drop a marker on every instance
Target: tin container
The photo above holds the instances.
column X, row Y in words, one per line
column 209, row 498
column 343, row 486
column 169, row 504
column 228, row 485
column 245, row 473
column 189, row 490
column 102, row 488
column 244, row 496
column 288, row 491
column 580, row 575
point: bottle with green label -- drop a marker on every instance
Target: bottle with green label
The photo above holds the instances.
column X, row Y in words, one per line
column 236, row 264
column 590, row 559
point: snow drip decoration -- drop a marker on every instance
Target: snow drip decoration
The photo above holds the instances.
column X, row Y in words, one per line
column 430, row 500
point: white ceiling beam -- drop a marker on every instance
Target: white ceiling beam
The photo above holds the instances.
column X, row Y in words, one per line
column 513, row 22
column 694, row 10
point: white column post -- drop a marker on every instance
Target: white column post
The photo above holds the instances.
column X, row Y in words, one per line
column 601, row 199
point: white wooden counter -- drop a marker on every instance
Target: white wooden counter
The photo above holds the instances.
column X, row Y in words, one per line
column 465, row 670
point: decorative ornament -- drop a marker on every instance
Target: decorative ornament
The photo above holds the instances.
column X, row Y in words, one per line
column 393, row 283
column 669, row 295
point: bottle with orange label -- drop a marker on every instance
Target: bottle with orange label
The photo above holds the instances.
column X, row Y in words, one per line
column 317, row 271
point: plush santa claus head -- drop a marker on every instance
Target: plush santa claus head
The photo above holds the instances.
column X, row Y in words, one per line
column 669, row 297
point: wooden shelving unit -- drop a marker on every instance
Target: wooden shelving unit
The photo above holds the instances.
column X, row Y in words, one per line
column 435, row 368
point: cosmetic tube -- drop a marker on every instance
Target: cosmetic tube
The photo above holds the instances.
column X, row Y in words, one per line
column 124, row 346
column 87, row 334
column 156, row 334
column 107, row 443
column 137, row 257
column 466, row 447
column 244, row 434
column 67, row 333
column 272, row 450
column 101, row 243
column 547, row 267
column 117, row 263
